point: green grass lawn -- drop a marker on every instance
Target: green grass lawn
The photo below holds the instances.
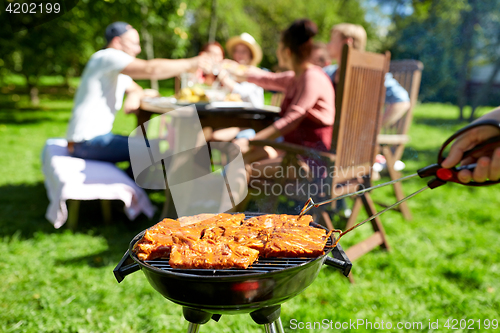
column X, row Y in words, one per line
column 443, row 264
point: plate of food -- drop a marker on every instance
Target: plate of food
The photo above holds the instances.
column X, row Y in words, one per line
column 192, row 95
column 229, row 105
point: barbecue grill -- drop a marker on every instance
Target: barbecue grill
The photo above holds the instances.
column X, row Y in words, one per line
column 259, row 290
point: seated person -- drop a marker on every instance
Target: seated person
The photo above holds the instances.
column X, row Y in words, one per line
column 396, row 97
column 216, row 53
column 319, row 55
column 246, row 52
column 307, row 110
column 107, row 77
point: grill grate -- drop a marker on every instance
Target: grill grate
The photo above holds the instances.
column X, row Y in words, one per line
column 263, row 265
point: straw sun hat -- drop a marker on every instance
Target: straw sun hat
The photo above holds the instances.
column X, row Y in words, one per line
column 249, row 41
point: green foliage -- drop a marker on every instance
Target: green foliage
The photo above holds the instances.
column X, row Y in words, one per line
column 64, row 45
column 265, row 20
column 178, row 29
column 449, row 37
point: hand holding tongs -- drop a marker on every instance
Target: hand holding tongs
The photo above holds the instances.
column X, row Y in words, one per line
column 440, row 174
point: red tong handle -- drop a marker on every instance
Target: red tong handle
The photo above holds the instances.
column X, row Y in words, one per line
column 442, row 175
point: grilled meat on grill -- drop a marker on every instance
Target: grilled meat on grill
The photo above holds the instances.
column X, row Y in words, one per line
column 209, row 254
column 186, row 220
column 157, row 240
column 296, row 242
column 278, row 221
column 227, row 240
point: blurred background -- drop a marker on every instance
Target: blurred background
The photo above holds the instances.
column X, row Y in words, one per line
column 458, row 41
column 443, row 264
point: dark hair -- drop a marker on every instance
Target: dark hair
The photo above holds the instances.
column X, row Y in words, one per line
column 206, row 46
column 298, row 38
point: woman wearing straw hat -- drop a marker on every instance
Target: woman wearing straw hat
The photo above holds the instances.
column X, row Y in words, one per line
column 246, row 52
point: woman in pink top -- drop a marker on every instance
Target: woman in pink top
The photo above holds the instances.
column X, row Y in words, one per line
column 307, row 110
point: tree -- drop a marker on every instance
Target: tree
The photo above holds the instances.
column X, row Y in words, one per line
column 178, row 28
column 265, row 20
column 449, row 37
column 64, row 45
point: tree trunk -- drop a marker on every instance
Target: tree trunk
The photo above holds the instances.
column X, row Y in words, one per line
column 467, row 34
column 485, row 89
column 148, row 45
column 67, row 77
column 35, row 100
column 460, row 112
column 213, row 22
column 33, row 90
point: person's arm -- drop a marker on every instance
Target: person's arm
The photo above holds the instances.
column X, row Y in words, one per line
column 488, row 167
column 133, row 100
column 163, row 68
column 270, row 81
column 307, row 96
column 268, row 133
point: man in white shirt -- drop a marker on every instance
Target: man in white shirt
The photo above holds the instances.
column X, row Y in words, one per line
column 107, row 77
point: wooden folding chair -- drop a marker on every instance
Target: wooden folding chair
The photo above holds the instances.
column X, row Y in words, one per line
column 177, row 85
column 360, row 96
column 394, row 137
column 276, row 98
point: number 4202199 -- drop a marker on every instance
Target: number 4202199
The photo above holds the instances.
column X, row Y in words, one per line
column 471, row 324
column 33, row 8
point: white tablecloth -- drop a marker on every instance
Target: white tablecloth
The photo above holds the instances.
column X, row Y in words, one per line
column 73, row 178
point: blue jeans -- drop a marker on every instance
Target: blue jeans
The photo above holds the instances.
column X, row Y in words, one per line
column 108, row 147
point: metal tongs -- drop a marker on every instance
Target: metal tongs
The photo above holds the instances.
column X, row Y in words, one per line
column 440, row 174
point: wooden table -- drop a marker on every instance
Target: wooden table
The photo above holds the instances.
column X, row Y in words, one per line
column 215, row 117
column 211, row 118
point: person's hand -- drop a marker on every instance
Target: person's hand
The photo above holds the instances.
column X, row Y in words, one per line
column 226, row 80
column 244, row 145
column 229, row 64
column 151, row 93
column 132, row 103
column 238, row 72
column 488, row 167
column 203, row 62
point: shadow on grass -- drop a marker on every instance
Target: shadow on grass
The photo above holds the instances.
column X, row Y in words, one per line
column 438, row 122
column 28, row 116
column 423, row 156
column 23, row 213
column 464, row 280
column 12, row 120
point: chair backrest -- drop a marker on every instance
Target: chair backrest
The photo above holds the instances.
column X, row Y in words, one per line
column 360, row 96
column 177, row 85
column 408, row 73
column 276, row 98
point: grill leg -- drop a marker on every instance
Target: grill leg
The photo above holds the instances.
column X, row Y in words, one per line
column 270, row 318
column 274, row 327
column 195, row 318
column 279, row 326
column 193, row 328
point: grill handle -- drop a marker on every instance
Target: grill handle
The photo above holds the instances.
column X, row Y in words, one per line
column 125, row 267
column 344, row 266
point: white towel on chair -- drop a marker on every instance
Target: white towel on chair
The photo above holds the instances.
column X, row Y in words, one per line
column 68, row 177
